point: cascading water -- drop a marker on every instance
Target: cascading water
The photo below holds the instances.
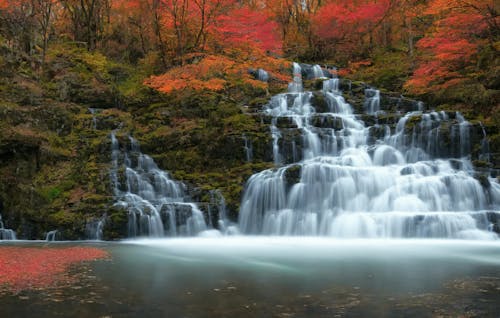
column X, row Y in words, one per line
column 51, row 236
column 94, row 228
column 217, row 212
column 157, row 205
column 248, row 148
column 6, row 234
column 372, row 101
column 93, row 112
column 356, row 181
column 262, row 75
column 296, row 85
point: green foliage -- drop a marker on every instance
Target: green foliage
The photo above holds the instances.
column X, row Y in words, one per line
column 389, row 70
column 50, row 193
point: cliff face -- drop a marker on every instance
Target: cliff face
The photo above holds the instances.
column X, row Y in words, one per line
column 55, row 146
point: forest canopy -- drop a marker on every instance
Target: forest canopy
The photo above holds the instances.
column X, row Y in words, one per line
column 435, row 49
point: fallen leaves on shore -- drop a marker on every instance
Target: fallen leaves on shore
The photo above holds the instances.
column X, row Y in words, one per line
column 24, row 268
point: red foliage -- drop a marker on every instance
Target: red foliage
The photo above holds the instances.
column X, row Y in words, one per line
column 28, row 267
column 244, row 25
column 450, row 46
column 339, row 19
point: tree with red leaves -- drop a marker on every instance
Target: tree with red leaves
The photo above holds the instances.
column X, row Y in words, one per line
column 348, row 27
column 460, row 30
column 247, row 26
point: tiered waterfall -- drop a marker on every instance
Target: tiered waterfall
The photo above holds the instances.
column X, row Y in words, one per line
column 340, row 177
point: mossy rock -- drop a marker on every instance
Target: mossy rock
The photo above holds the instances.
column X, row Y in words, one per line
column 293, row 175
column 116, row 226
column 318, row 101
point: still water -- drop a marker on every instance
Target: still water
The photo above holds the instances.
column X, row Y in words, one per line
column 276, row 277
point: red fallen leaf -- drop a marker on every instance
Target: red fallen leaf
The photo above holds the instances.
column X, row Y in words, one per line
column 30, row 267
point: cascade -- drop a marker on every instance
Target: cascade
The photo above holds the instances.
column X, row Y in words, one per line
column 93, row 112
column 314, row 71
column 317, row 71
column 248, row 148
column 94, row 228
column 296, row 85
column 218, row 203
column 262, row 75
column 372, row 101
column 6, row 234
column 157, row 205
column 412, row 178
column 485, row 146
column 51, row 236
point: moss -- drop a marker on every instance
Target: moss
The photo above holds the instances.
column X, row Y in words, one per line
column 481, row 164
column 319, row 103
column 116, row 223
column 258, row 102
column 293, row 174
column 483, row 180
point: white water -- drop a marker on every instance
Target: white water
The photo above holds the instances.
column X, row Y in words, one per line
column 262, row 75
column 296, row 85
column 340, row 179
column 93, row 111
column 405, row 183
column 157, row 205
column 372, row 102
column 6, row 234
column 248, row 148
column 94, row 228
column 51, row 236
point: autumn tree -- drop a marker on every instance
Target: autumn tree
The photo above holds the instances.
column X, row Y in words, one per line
column 349, row 28
column 44, row 17
column 247, row 26
column 88, row 19
column 18, row 24
column 28, row 24
column 462, row 30
column 240, row 39
column 295, row 24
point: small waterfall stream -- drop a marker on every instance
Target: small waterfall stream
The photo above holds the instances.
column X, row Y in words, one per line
column 94, row 228
column 6, row 234
column 248, row 148
column 51, row 236
column 352, row 180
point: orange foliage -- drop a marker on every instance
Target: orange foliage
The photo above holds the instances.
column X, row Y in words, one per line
column 216, row 72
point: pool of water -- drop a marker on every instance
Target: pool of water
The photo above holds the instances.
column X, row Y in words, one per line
column 277, row 277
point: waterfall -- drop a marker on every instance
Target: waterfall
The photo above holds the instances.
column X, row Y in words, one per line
column 317, row 71
column 51, row 236
column 410, row 179
column 331, row 85
column 372, row 101
column 296, row 85
column 248, row 148
column 94, row 228
column 485, row 146
column 157, row 205
column 6, row 234
column 93, row 111
column 218, row 203
column 262, row 75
